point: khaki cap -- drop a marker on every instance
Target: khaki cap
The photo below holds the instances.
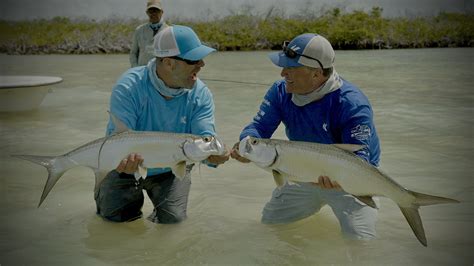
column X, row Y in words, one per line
column 154, row 4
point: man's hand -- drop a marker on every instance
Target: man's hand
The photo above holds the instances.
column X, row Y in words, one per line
column 236, row 155
column 129, row 165
column 219, row 159
column 325, row 183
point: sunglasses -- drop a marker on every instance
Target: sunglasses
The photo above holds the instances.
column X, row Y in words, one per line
column 153, row 10
column 290, row 53
column 189, row 62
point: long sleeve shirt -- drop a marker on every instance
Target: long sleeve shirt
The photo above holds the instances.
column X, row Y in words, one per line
column 136, row 103
column 342, row 116
column 142, row 45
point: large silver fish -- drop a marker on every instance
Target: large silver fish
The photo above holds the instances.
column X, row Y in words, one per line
column 305, row 161
column 159, row 149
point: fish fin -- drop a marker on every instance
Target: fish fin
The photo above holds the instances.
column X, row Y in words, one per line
column 413, row 217
column 349, row 147
column 425, row 199
column 368, row 200
column 119, row 125
column 99, row 177
column 278, row 177
column 56, row 166
column 414, row 220
column 179, row 170
column 141, row 172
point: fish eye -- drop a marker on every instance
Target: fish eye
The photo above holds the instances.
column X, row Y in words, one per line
column 254, row 142
column 207, row 138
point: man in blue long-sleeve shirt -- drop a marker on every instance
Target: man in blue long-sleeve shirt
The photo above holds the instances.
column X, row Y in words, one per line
column 315, row 104
column 165, row 95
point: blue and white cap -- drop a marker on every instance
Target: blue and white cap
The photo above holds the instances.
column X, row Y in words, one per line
column 311, row 50
column 180, row 41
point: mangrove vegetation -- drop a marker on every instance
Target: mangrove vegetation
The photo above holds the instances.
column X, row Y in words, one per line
column 244, row 31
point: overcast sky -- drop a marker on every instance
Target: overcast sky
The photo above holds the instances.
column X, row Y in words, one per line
column 208, row 9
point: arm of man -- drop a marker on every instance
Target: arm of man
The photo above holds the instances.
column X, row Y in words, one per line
column 359, row 129
column 265, row 122
column 236, row 155
column 202, row 123
column 219, row 159
column 122, row 108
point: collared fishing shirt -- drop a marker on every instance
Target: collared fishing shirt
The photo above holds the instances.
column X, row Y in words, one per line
column 142, row 45
column 342, row 116
column 136, row 103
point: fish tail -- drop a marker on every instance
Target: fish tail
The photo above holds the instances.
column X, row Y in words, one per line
column 413, row 217
column 414, row 220
column 56, row 166
column 425, row 199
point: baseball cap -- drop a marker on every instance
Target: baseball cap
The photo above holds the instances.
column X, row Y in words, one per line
column 307, row 49
column 153, row 4
column 180, row 41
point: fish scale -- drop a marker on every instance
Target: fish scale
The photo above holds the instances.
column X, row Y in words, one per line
column 299, row 161
column 339, row 164
column 159, row 149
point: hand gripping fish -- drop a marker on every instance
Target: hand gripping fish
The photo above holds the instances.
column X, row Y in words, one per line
column 306, row 161
column 159, row 150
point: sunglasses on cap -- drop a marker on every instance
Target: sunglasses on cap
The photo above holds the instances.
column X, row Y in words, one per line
column 189, row 62
column 290, row 53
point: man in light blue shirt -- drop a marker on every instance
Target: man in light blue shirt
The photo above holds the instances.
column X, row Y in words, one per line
column 315, row 104
column 165, row 95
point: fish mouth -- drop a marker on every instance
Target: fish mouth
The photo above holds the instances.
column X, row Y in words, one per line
column 245, row 147
column 218, row 146
column 200, row 149
column 248, row 147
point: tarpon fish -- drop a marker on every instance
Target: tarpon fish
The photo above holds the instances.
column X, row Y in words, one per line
column 158, row 149
column 305, row 161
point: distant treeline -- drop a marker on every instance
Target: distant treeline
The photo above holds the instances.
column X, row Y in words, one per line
column 245, row 31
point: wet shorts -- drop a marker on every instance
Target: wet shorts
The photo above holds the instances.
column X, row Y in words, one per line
column 119, row 197
column 295, row 201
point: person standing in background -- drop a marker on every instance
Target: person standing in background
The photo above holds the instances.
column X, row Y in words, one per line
column 142, row 44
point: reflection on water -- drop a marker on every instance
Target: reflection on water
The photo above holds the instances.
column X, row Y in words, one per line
column 423, row 109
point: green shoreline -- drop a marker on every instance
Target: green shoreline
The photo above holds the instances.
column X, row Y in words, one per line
column 355, row 30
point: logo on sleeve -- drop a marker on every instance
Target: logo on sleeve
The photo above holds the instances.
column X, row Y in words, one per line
column 259, row 115
column 361, row 132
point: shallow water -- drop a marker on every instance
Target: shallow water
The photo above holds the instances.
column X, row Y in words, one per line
column 424, row 116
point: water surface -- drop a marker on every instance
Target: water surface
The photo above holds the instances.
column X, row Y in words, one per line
column 423, row 104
